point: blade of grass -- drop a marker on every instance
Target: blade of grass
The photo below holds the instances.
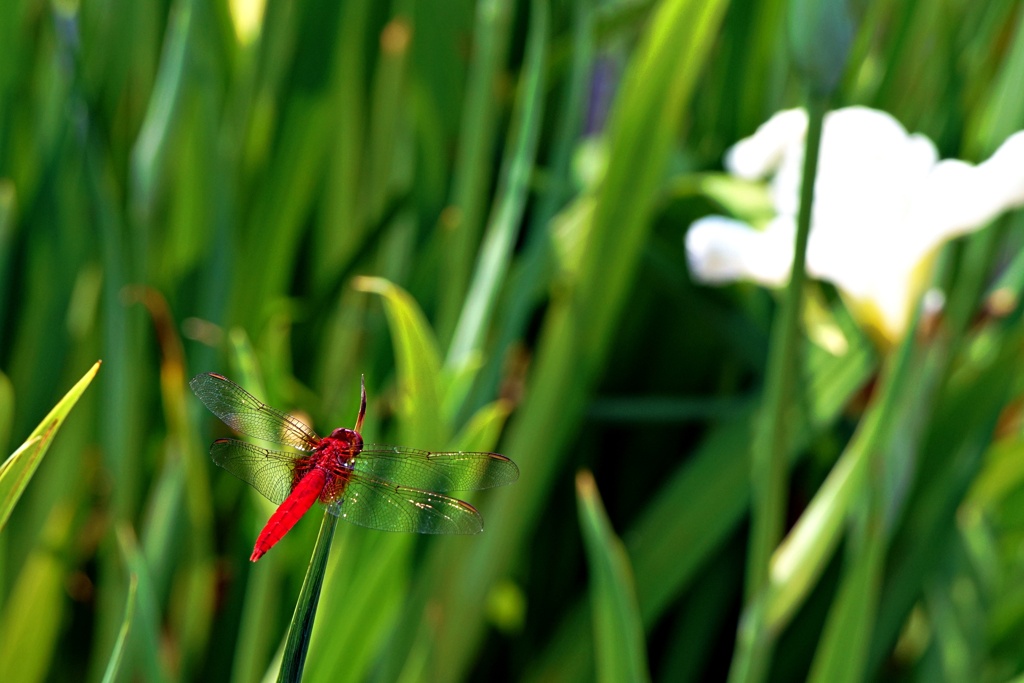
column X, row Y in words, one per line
column 387, row 164
column 844, row 646
column 618, row 631
column 149, row 155
column 705, row 500
column 841, row 653
column 577, row 329
column 7, row 209
column 385, row 600
column 472, row 171
column 1001, row 115
column 531, row 274
column 337, row 235
column 768, row 468
column 961, row 430
column 368, row 610
column 769, row 472
column 145, row 638
column 114, row 663
column 421, row 392
column 37, row 599
column 270, row 251
column 365, row 604
column 289, row 153
column 483, row 429
column 301, row 628
column 802, row 555
column 495, row 253
column 257, row 634
column 121, row 415
column 705, row 616
column 17, row 470
column 418, row 363
column 187, row 486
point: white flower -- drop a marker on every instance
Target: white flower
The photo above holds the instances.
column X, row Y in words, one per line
column 883, row 205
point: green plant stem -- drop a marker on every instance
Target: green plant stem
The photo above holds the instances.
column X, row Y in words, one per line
column 768, row 458
column 496, row 250
column 472, row 171
column 301, row 628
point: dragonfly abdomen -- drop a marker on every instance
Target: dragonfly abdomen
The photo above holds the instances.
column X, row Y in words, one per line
column 302, row 497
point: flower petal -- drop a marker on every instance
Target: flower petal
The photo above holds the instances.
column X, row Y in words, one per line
column 755, row 157
column 721, row 250
column 883, row 205
column 959, row 197
column 1003, row 172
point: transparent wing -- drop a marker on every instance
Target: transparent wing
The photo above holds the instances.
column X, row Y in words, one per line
column 378, row 505
column 246, row 414
column 272, row 473
column 362, row 500
column 435, row 470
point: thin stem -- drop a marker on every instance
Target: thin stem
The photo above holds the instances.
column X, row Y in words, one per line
column 301, row 628
column 507, row 212
column 769, row 484
column 473, row 171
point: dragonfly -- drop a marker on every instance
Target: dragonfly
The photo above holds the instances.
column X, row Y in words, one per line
column 390, row 488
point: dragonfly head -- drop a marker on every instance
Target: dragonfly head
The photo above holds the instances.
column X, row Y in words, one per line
column 349, row 439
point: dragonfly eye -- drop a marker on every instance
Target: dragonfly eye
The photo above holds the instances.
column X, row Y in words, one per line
column 350, row 439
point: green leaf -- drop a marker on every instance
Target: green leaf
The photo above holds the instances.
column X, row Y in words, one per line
column 907, row 402
column 18, row 469
column 146, row 636
column 507, row 212
column 418, row 363
column 1000, row 116
column 114, row 664
column 799, row 560
column 150, row 154
column 582, row 318
column 483, row 429
column 34, row 610
column 618, row 630
column 847, row 633
column 701, row 505
column 301, row 629
column 6, row 408
column 472, row 171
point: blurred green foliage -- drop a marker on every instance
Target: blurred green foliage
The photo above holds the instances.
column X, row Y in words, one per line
column 480, row 206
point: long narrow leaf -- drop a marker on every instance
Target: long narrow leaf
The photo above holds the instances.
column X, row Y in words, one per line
column 495, row 252
column 114, row 663
column 576, row 333
column 418, row 361
column 618, row 630
column 17, row 470
column 36, row 598
column 301, row 629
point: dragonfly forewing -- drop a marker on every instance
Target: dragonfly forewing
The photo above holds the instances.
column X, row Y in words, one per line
column 246, row 414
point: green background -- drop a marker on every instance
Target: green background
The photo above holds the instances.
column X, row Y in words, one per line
column 481, row 208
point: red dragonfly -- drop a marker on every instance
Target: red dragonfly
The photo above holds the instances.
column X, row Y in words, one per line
column 380, row 487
